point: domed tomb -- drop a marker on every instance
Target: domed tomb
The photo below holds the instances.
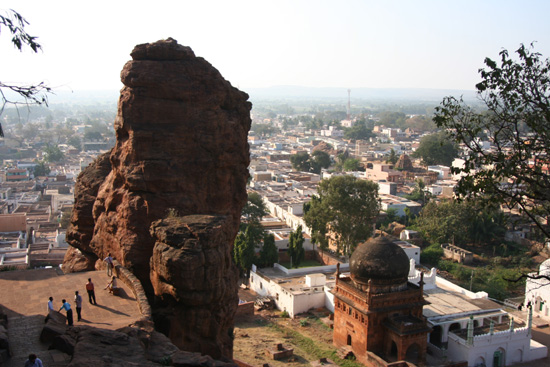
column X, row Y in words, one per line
column 379, row 264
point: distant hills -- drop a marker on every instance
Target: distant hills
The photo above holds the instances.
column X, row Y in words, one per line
column 290, row 93
column 285, row 92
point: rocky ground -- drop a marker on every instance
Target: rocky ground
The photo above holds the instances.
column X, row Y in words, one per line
column 308, row 334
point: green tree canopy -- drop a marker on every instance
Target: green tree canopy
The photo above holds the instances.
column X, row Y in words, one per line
column 319, row 160
column 244, row 251
column 254, row 208
column 52, row 153
column 515, row 172
column 345, row 206
column 464, row 222
column 358, row 131
column 435, row 149
column 296, row 247
column 269, row 254
column 41, row 169
column 301, row 161
column 351, row 164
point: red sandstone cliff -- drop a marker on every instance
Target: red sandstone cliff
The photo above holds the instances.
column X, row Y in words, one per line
column 182, row 149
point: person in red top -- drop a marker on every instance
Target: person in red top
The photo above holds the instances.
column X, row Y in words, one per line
column 90, row 290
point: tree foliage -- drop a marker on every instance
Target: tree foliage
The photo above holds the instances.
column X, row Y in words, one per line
column 296, row 247
column 347, row 208
column 41, row 169
column 515, row 172
column 464, row 222
column 435, row 149
column 303, row 162
column 269, row 254
column 244, row 252
column 52, row 153
column 358, row 131
column 300, row 161
column 31, row 94
column 255, row 208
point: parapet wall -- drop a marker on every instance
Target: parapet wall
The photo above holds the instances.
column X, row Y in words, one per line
column 135, row 285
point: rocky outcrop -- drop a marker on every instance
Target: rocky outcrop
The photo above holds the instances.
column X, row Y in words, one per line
column 190, row 273
column 181, row 150
column 80, row 256
column 129, row 346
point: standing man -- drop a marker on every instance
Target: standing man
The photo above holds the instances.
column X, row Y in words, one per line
column 49, row 309
column 67, row 308
column 78, row 303
column 90, row 290
column 33, row 361
column 109, row 261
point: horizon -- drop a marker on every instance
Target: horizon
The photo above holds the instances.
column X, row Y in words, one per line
column 399, row 44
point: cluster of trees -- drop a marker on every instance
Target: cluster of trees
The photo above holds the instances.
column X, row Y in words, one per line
column 359, row 131
column 318, row 160
column 515, row 172
column 345, row 209
column 251, row 236
column 437, row 149
column 461, row 223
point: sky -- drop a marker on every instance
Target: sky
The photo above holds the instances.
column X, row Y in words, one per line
column 436, row 44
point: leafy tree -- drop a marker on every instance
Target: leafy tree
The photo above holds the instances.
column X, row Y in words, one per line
column 318, row 218
column 435, row 149
column 254, row 208
column 41, row 169
column 296, row 247
column 345, row 206
column 419, row 193
column 392, row 158
column 461, row 222
column 351, row 164
column 91, row 135
column 515, row 171
column 53, row 153
column 358, row 131
column 244, row 252
column 301, row 161
column 319, row 160
column 269, row 254
column 392, row 119
column 31, row 94
column 75, row 142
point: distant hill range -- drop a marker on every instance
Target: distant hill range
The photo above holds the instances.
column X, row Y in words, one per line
column 291, row 93
column 341, row 94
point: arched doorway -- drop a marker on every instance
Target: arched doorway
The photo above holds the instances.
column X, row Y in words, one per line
column 498, row 358
column 413, row 353
column 393, row 352
column 348, row 342
column 480, row 362
column 435, row 335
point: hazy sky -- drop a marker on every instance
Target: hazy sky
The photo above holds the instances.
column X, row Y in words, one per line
column 350, row 44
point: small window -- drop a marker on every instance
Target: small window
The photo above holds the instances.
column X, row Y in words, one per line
column 349, row 311
column 277, row 296
column 261, row 285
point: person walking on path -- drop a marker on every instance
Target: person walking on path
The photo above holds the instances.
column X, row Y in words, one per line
column 78, row 303
column 109, row 261
column 33, row 361
column 91, row 292
column 67, row 308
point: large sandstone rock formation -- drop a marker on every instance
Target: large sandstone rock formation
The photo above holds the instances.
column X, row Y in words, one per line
column 181, row 150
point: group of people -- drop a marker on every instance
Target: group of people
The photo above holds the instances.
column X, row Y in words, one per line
column 33, row 360
column 78, row 303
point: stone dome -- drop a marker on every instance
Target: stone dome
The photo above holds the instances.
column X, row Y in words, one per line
column 381, row 261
